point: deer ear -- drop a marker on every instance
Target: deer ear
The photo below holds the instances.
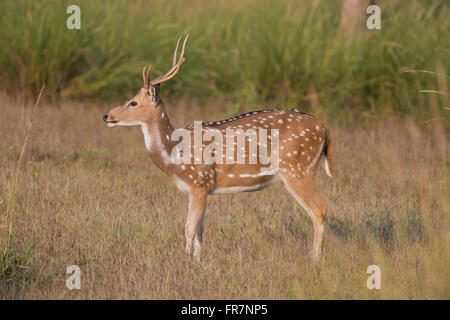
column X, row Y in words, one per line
column 153, row 92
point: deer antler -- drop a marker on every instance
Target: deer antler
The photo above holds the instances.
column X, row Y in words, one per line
column 143, row 77
column 175, row 65
column 146, row 77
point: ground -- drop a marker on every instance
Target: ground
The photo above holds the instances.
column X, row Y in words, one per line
column 89, row 195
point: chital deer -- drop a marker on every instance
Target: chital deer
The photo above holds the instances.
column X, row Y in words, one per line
column 303, row 142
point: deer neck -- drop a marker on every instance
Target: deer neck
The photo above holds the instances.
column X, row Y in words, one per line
column 157, row 136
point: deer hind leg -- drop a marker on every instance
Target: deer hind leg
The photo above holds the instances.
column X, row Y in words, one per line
column 194, row 224
column 309, row 198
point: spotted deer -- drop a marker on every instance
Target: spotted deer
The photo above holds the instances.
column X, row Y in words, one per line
column 303, row 142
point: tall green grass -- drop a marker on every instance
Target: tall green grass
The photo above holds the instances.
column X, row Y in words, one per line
column 254, row 50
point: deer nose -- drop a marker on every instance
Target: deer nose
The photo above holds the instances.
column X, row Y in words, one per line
column 105, row 117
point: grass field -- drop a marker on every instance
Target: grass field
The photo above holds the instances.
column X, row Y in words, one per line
column 89, row 195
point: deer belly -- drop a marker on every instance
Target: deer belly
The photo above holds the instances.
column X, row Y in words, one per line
column 244, row 184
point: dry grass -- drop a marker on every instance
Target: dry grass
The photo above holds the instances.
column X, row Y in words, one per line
column 89, row 195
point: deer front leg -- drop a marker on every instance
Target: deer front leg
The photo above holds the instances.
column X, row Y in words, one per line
column 194, row 223
column 198, row 239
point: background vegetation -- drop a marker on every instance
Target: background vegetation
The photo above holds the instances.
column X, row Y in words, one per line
column 289, row 52
column 88, row 195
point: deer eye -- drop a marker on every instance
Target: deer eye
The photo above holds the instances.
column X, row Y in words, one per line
column 132, row 103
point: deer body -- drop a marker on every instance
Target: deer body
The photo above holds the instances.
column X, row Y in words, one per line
column 302, row 142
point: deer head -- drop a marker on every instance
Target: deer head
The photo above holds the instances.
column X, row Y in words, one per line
column 146, row 105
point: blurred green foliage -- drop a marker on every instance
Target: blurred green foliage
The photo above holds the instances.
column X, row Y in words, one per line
column 254, row 50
